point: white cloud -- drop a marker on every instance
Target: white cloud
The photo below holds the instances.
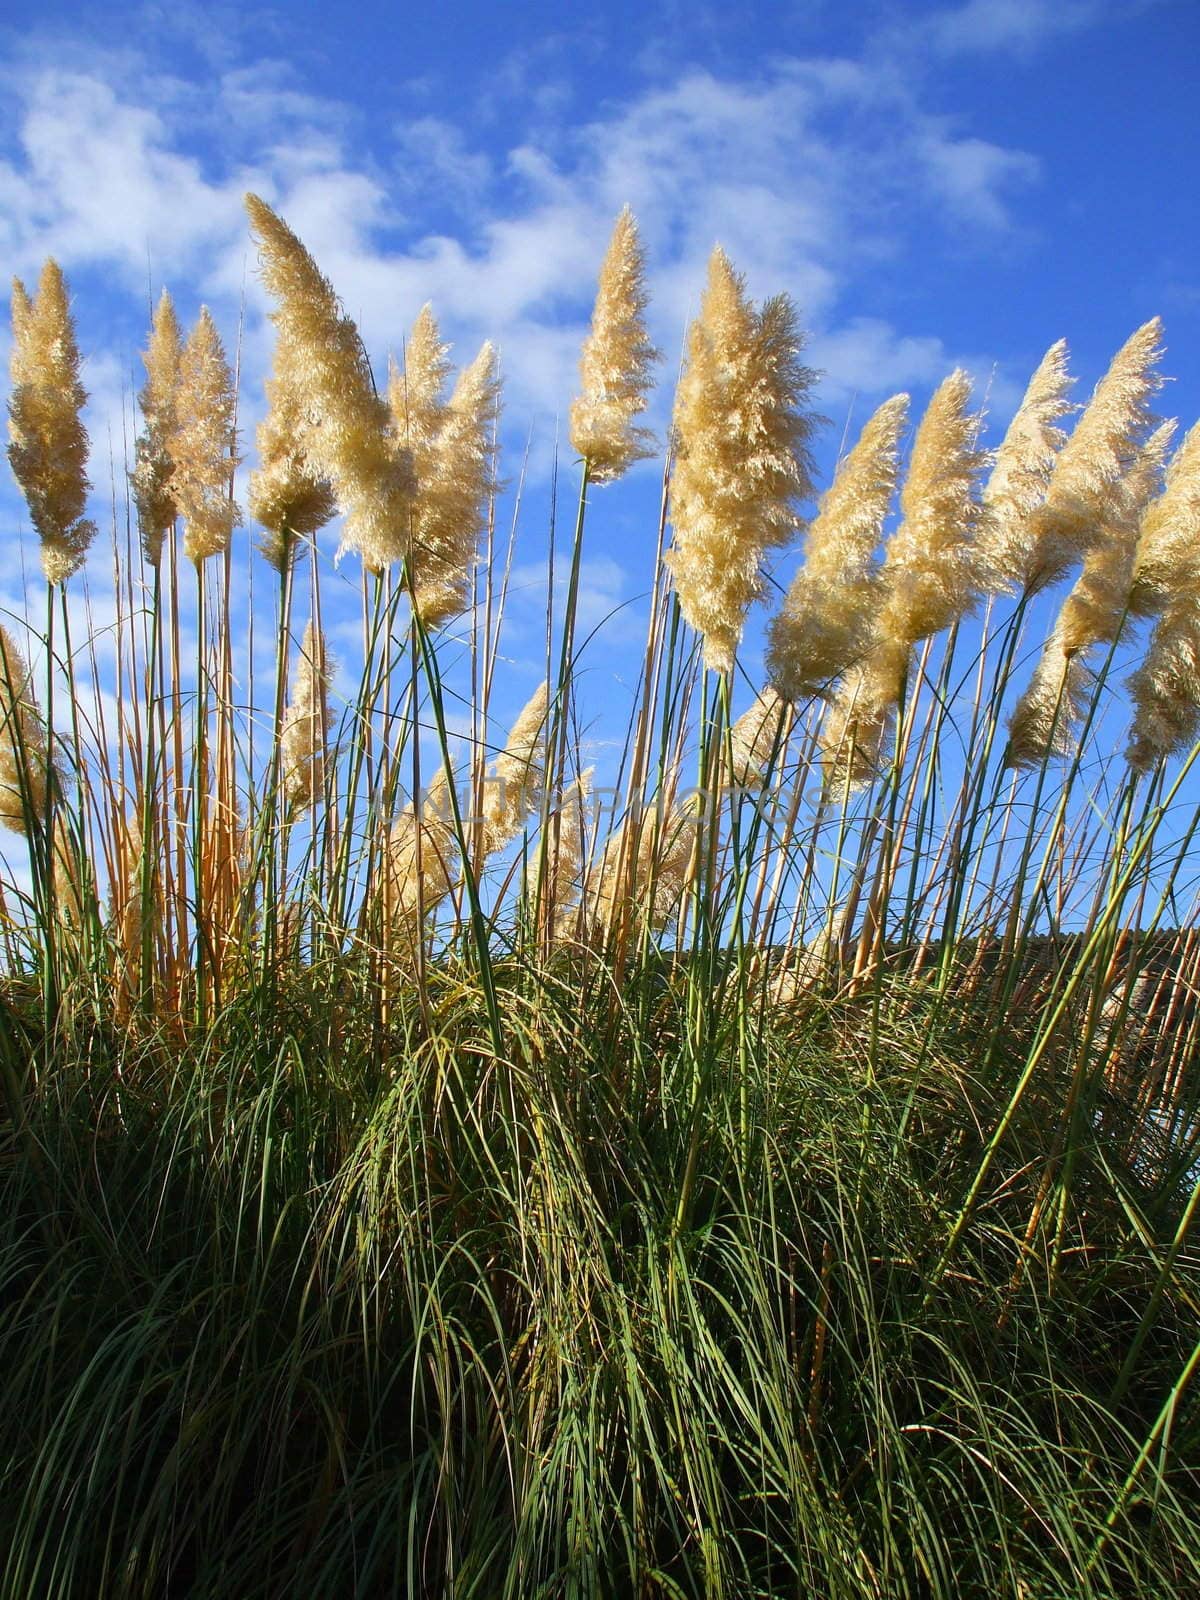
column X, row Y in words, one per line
column 805, row 175
column 992, row 25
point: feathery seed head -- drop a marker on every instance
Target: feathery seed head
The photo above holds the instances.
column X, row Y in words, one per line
column 931, row 564
column 455, row 493
column 1020, row 477
column 305, row 725
column 152, row 472
column 1167, row 559
column 856, row 735
column 288, row 498
column 758, row 736
column 1043, row 720
column 1095, row 608
column 742, row 453
column 48, row 443
column 352, row 442
column 1104, row 443
column 416, row 393
column 203, row 452
column 1166, row 687
column 615, row 365
column 422, row 858
column 23, row 743
column 828, row 617
column 516, row 774
column 560, row 881
column 646, row 861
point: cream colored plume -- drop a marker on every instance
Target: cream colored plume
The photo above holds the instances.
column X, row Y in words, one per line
column 23, row 746
column 930, row 579
column 516, row 775
column 1043, row 721
column 1166, row 687
column 48, row 443
column 646, row 864
column 1166, row 580
column 856, row 734
column 305, row 732
column 1104, row 443
column 151, row 475
column 742, row 458
column 203, row 453
column 1167, row 558
column 561, row 874
column 931, row 566
column 416, row 392
column 423, row 859
column 1093, row 611
column 828, row 619
column 454, row 494
column 288, row 496
column 615, row 367
column 1020, row 478
column 351, row 441
column 758, row 735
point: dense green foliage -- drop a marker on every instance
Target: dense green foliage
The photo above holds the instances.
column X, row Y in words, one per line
column 654, row 1300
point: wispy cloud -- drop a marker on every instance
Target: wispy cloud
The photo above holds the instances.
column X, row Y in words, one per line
column 1005, row 25
column 807, row 174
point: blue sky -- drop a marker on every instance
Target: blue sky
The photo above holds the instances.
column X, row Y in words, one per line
column 934, row 184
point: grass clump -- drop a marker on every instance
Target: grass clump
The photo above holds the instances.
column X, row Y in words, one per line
column 414, row 1182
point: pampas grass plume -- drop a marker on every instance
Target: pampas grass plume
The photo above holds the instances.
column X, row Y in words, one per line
column 1104, row 443
column 1044, row 718
column 516, row 774
column 288, row 496
column 203, row 457
column 615, row 366
column 151, row 476
column 1167, row 557
column 930, row 579
column 305, row 725
column 23, row 744
column 455, row 494
column 828, row 617
column 741, row 436
column 352, row 442
column 1020, row 477
column 48, row 443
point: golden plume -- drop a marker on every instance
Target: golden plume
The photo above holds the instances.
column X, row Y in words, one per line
column 288, row 496
column 930, row 578
column 1020, row 478
column 741, row 439
column 24, row 754
column 516, row 774
column 422, row 858
column 758, row 737
column 1166, row 687
column 306, row 725
column 203, row 453
column 1168, row 549
column 645, row 866
column 615, row 365
column 1103, row 445
column 454, row 498
column 351, row 441
column 151, row 475
column 828, row 618
column 49, row 445
column 1044, row 719
column 560, row 878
